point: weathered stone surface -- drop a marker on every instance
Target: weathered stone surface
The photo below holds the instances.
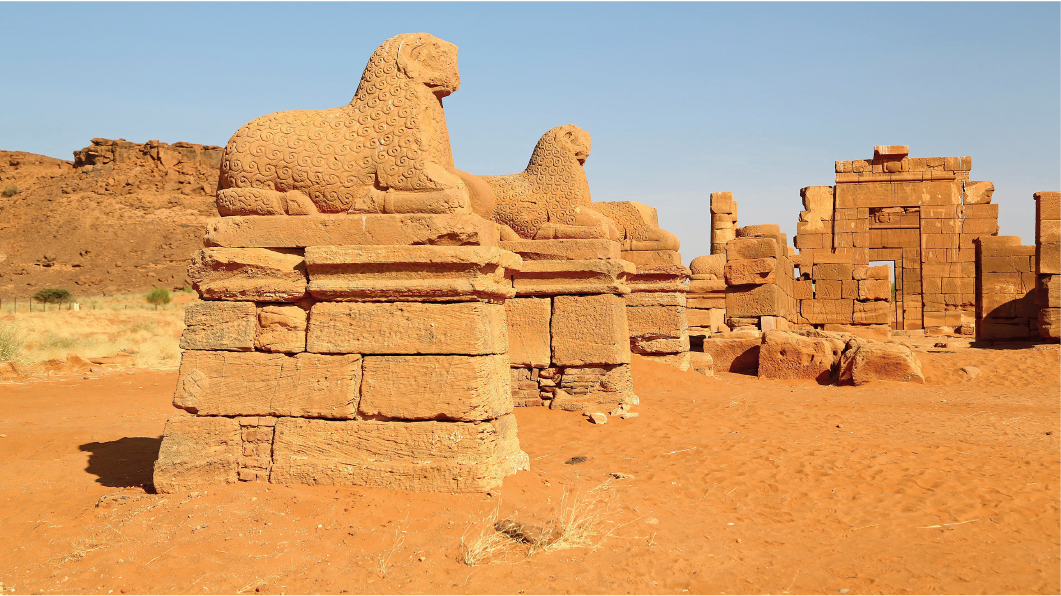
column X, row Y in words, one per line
column 466, row 328
column 708, row 265
column 280, row 231
column 874, row 332
column 653, row 322
column 281, row 327
column 1050, row 323
column 734, row 355
column 425, row 456
column 682, row 361
column 786, row 355
column 753, row 248
column 832, row 271
column 563, row 250
column 261, row 384
column 659, row 345
column 752, row 271
column 877, row 312
column 466, row 388
column 590, row 330
column 528, row 331
column 248, row 274
column 550, row 278
column 427, row 273
column 863, row 362
column 672, row 299
column 819, row 312
column 874, row 289
column 218, row 326
column 197, row 451
column 702, row 363
column 707, row 286
column 653, row 258
column 754, row 301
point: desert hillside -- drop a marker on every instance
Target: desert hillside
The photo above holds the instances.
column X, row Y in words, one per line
column 120, row 217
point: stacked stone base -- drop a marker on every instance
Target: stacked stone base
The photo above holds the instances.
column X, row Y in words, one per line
column 375, row 365
column 569, row 343
column 1048, row 263
column 759, row 278
column 1006, row 308
column 656, row 309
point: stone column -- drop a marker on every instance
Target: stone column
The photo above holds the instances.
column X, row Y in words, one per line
column 1048, row 262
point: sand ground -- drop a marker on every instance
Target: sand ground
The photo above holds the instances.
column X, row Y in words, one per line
column 734, row 485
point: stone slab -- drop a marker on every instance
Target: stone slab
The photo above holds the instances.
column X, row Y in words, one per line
column 563, row 249
column 395, row 328
column 589, row 330
column 197, row 451
column 262, row 384
column 281, row 327
column 529, row 342
column 429, row 456
column 248, row 274
column 218, row 325
column 552, row 278
column 284, row 231
column 465, row 388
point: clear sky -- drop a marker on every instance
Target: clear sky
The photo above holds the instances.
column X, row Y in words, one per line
column 682, row 99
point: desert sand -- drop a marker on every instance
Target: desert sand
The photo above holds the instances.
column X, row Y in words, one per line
column 721, row 485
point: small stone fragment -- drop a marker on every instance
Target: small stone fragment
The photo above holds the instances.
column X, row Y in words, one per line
column 576, row 460
column 598, row 418
column 972, row 371
column 629, row 415
column 621, row 476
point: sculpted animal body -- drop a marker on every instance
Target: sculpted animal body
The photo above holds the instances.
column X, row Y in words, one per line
column 551, row 198
column 388, row 150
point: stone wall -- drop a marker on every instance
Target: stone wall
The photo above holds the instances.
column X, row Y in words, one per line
column 1005, row 290
column 759, row 278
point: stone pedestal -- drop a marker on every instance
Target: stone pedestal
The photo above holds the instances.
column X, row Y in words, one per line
column 567, row 326
column 330, row 351
column 656, row 308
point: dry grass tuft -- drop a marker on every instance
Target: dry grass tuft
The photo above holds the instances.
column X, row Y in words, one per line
column 481, row 543
column 384, row 557
column 581, row 519
column 81, row 548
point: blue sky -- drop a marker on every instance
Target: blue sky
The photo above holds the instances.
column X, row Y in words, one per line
column 682, row 99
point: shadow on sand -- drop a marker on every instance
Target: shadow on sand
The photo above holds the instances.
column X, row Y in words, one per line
column 127, row 462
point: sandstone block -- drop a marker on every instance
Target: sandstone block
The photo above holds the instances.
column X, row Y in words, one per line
column 733, row 355
column 992, row 328
column 708, row 265
column 648, row 345
column 700, row 317
column 461, row 328
column 1006, row 264
column 707, row 286
column 754, row 301
column 465, row 388
column 528, row 331
column 705, row 301
column 828, row 289
column 751, row 271
column 874, row 289
column 1048, row 289
column 820, row 312
column 407, row 273
column 280, row 231
column 261, row 384
column 759, row 231
column 722, row 202
column 281, row 328
column 248, row 274
column 653, row 258
column 879, row 272
column 1050, row 323
column 674, row 299
column 430, row 456
column 803, row 289
column 197, row 451
column 784, row 355
column 1049, row 259
column 1047, row 205
column 550, row 278
column 873, row 332
column 981, row 211
column 831, row 271
column 563, row 250
column 753, row 248
column 1048, row 230
column 218, row 326
column 871, row 313
column 590, row 330
column 863, row 362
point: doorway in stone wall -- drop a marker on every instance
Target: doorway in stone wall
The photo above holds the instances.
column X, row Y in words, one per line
column 897, row 295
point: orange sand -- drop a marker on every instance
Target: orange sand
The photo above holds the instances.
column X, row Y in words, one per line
column 739, row 486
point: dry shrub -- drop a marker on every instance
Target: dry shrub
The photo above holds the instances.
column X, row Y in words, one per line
column 581, row 519
column 385, row 556
column 480, row 543
column 12, row 343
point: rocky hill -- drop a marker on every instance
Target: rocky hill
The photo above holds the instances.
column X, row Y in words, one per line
column 120, row 217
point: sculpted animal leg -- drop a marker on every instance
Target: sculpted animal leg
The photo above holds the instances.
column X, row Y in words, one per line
column 263, row 201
